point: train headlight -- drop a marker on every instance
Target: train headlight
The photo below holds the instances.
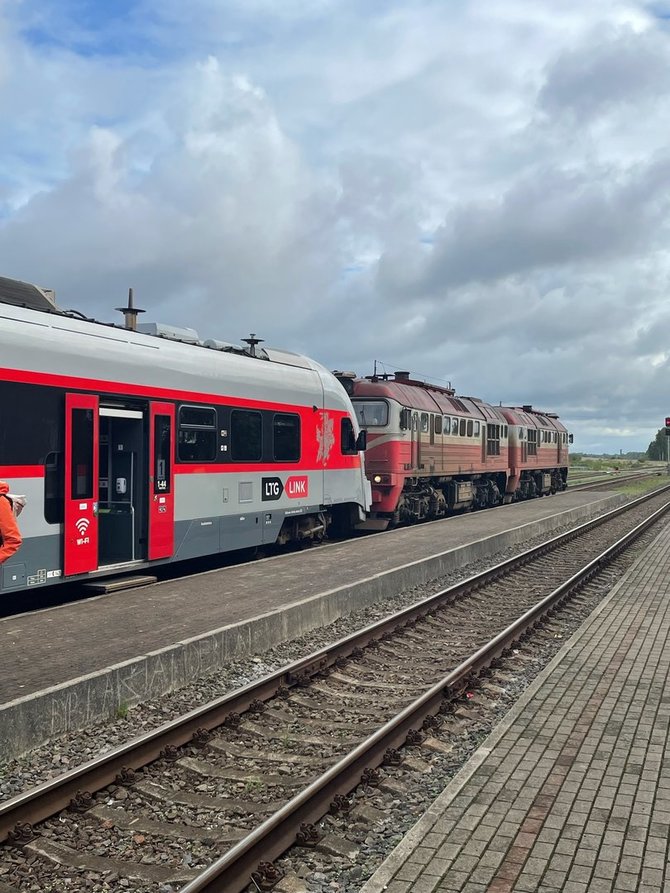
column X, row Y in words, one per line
column 377, row 479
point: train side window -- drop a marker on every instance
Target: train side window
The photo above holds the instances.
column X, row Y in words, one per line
column 347, row 438
column 246, row 430
column 477, row 429
column 162, row 457
column 446, row 425
column 197, row 439
column 470, row 428
column 53, row 488
column 454, row 426
column 461, row 428
column 424, row 422
column 505, row 431
column 286, row 437
column 493, row 440
column 438, row 424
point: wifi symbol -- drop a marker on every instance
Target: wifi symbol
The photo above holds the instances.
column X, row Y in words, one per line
column 82, row 525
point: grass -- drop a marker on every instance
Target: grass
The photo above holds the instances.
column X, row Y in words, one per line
column 639, row 488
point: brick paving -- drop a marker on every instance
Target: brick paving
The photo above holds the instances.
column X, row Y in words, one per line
column 571, row 792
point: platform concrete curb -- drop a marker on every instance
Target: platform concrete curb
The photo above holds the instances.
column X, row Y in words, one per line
column 29, row 722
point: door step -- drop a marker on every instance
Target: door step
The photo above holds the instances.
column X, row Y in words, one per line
column 116, row 584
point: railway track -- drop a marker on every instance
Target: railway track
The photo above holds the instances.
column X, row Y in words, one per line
column 246, row 774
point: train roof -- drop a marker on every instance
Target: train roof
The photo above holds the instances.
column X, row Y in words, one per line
column 532, row 418
column 425, row 397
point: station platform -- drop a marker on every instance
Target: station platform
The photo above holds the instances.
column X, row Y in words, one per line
column 571, row 792
column 64, row 667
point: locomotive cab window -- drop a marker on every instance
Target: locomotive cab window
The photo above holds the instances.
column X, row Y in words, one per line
column 461, row 428
column 454, row 426
column 371, row 413
column 246, row 434
column 197, row 434
column 477, row 429
column 470, row 428
column 438, row 424
column 286, row 437
column 424, row 422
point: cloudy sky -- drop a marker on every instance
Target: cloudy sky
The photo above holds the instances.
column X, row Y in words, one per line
column 475, row 190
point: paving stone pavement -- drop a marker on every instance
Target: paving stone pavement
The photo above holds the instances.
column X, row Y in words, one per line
column 571, row 792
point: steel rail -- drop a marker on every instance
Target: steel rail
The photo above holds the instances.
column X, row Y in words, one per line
column 50, row 797
column 232, row 872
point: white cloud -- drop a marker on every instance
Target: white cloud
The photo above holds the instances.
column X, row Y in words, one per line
column 477, row 192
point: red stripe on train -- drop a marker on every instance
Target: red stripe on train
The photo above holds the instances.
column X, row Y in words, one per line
column 124, row 389
column 21, row 471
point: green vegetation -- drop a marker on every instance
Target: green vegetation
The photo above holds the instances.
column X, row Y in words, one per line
column 121, row 711
column 658, row 448
column 634, row 489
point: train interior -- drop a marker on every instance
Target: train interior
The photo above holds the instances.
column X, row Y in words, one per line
column 122, row 484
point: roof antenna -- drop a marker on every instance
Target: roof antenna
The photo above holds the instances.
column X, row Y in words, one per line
column 130, row 313
column 252, row 341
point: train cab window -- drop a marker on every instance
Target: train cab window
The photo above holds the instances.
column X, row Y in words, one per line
column 53, row 489
column 470, row 428
column 446, row 424
column 162, row 457
column 454, row 426
column 286, row 437
column 477, row 429
column 461, row 428
column 197, row 434
column 371, row 413
column 424, row 422
column 505, row 431
column 438, row 424
column 246, row 435
column 347, row 438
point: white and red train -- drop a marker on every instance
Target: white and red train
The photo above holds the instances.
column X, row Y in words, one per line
column 144, row 445
column 134, row 449
column 430, row 452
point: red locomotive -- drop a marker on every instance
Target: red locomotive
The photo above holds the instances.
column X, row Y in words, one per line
column 431, row 452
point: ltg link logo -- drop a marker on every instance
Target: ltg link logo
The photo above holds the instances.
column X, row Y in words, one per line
column 82, row 526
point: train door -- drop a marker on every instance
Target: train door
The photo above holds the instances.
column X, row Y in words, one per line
column 122, row 476
column 161, row 480
column 80, row 541
column 416, row 441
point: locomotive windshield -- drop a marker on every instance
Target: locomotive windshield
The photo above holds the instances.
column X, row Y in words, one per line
column 371, row 413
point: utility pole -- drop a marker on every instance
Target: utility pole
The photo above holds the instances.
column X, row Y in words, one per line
column 667, row 443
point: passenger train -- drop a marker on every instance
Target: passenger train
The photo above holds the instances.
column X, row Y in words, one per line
column 141, row 444
column 135, row 447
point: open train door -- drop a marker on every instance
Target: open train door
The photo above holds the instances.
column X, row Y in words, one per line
column 80, row 549
column 161, row 480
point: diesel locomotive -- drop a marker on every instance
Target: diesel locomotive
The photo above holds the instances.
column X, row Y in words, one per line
column 431, row 452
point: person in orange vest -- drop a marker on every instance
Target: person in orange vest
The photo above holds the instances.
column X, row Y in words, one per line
column 10, row 535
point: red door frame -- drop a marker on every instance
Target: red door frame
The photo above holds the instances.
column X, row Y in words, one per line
column 161, row 489
column 80, row 539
